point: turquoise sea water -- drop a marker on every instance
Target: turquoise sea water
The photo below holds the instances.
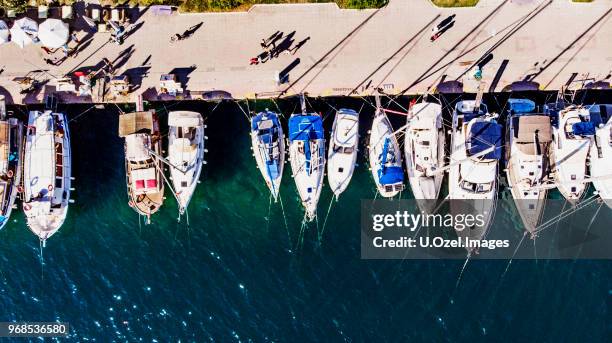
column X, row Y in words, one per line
column 238, row 273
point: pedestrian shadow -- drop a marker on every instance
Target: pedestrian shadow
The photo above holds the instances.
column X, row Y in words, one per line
column 123, row 57
column 182, row 74
column 136, row 75
column 133, row 29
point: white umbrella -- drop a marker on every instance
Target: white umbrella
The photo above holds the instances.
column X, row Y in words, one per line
column 53, row 33
column 4, row 32
column 24, row 31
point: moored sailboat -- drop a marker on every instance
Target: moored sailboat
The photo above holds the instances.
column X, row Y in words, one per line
column 600, row 156
column 424, row 150
column 385, row 155
column 46, row 175
column 185, row 154
column 528, row 139
column 571, row 143
column 11, row 148
column 307, row 157
column 143, row 168
column 475, row 152
column 342, row 151
column 268, row 144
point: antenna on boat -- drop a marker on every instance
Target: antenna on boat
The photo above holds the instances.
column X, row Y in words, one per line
column 481, row 88
column 2, row 108
column 303, row 103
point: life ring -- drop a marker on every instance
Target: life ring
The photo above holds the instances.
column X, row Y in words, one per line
column 50, row 188
column 9, row 173
column 20, row 189
column 27, row 207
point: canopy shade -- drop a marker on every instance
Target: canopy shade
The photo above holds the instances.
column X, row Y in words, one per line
column 305, row 128
column 53, row 33
column 484, row 135
column 24, row 31
column 4, row 32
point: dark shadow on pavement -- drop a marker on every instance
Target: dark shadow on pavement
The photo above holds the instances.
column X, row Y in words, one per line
column 182, row 74
column 284, row 74
column 136, row 75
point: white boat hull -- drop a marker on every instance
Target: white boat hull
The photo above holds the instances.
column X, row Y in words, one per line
column 185, row 154
column 47, row 171
column 601, row 163
column 340, row 163
column 425, row 124
column 569, row 157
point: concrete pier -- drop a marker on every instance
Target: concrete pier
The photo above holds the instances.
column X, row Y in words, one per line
column 349, row 52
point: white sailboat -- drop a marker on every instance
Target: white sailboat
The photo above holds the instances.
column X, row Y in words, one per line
column 385, row 155
column 528, row 139
column 185, row 154
column 571, row 143
column 11, row 143
column 144, row 178
column 46, row 176
column 307, row 157
column 268, row 144
column 342, row 151
column 601, row 152
column 424, row 150
column 475, row 152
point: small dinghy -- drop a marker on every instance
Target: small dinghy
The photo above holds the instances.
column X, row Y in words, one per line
column 572, row 136
column 145, row 183
column 385, row 155
column 307, row 156
column 11, row 139
column 424, row 150
column 46, row 173
column 601, row 152
column 185, row 154
column 475, row 152
column 528, row 143
column 268, row 144
column 342, row 151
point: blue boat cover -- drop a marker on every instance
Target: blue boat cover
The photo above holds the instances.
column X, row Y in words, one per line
column 482, row 136
column 600, row 114
column 305, row 128
column 390, row 175
column 584, row 128
column 521, row 105
column 263, row 116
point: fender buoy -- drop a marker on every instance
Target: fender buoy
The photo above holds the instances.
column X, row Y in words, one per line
column 50, row 188
column 32, row 129
column 27, row 207
column 9, row 173
column 131, row 203
column 20, row 189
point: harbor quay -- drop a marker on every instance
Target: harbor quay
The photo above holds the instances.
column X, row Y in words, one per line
column 318, row 49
